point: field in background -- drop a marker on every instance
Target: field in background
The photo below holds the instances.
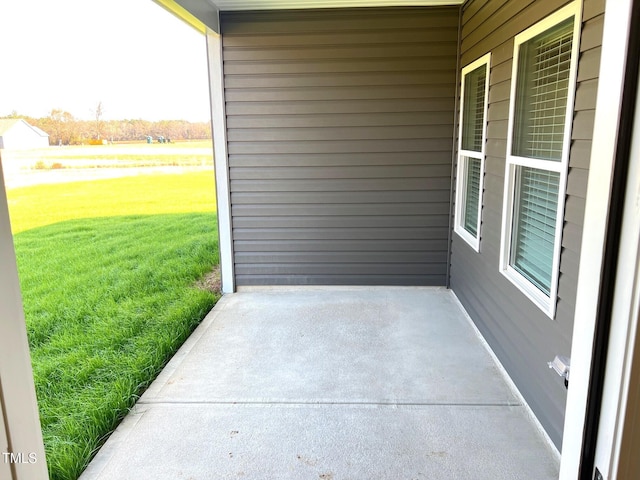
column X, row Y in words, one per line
column 81, row 163
column 113, row 275
column 193, row 153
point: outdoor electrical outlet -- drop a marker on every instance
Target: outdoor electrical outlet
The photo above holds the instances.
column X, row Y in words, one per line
column 561, row 365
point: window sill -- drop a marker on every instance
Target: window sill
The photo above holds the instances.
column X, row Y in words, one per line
column 472, row 241
column 539, row 299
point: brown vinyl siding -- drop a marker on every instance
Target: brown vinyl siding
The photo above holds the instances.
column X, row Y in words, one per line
column 340, row 133
column 521, row 335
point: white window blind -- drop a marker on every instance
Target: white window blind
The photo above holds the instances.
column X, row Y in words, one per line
column 472, row 197
column 472, row 139
column 540, row 114
column 535, row 225
column 473, row 109
column 543, row 82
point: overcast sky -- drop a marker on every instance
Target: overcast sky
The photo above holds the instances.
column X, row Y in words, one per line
column 133, row 56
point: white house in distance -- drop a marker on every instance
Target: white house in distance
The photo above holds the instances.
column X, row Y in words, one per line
column 16, row 133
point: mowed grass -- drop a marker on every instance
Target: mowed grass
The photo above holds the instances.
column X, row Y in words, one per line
column 39, row 205
column 108, row 300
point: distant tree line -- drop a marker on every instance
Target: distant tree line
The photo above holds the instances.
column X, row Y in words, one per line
column 64, row 129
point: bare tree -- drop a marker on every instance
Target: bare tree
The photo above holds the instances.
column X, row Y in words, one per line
column 98, row 112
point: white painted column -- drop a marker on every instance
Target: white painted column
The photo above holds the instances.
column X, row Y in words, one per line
column 605, row 140
column 21, row 421
column 221, row 159
column 624, row 322
column 5, row 468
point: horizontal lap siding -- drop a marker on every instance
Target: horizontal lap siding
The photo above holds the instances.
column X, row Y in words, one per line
column 340, row 133
column 522, row 336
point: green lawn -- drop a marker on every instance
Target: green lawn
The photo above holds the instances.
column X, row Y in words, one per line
column 39, row 205
column 108, row 300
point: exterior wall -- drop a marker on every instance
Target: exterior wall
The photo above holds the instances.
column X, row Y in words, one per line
column 21, row 135
column 340, row 137
column 521, row 335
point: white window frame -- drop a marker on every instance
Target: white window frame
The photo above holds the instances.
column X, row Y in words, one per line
column 546, row 303
column 461, row 176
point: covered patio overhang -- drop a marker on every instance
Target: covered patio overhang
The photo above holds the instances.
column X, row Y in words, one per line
column 603, row 294
column 205, row 14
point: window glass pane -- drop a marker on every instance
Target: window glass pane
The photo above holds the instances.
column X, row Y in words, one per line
column 472, row 196
column 541, row 92
column 473, row 109
column 535, row 225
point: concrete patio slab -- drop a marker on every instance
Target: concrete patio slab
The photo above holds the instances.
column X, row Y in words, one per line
column 330, row 383
column 328, row 442
column 398, row 346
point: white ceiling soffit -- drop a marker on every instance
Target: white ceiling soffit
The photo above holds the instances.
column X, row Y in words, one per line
column 231, row 5
column 203, row 14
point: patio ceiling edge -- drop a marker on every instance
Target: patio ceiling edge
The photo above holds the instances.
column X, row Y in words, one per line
column 200, row 14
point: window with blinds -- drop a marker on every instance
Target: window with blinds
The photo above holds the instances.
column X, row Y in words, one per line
column 535, row 225
column 543, row 84
column 473, row 109
column 472, row 197
column 543, row 88
column 471, row 145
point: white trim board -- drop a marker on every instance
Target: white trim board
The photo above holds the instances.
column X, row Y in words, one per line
column 221, row 160
column 624, row 321
column 235, row 5
column 5, row 468
column 16, row 376
column 605, row 137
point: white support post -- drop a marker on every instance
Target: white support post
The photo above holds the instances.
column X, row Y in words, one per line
column 221, row 159
column 624, row 322
column 5, row 468
column 21, row 421
column 605, row 139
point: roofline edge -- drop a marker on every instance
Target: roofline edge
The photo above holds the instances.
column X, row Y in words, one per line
column 199, row 14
